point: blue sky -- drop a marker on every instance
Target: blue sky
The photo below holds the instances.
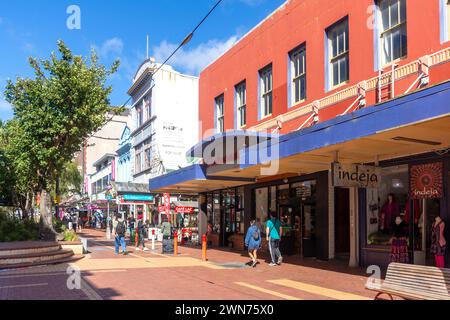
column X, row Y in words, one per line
column 118, row 29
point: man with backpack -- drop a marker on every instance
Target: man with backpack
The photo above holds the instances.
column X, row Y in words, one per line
column 253, row 242
column 274, row 232
column 120, row 236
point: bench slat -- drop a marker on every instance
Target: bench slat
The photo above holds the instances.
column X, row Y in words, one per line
column 416, row 282
column 412, row 296
column 424, row 287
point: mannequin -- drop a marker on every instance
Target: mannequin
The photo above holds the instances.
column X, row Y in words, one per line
column 438, row 242
column 389, row 211
column 399, row 251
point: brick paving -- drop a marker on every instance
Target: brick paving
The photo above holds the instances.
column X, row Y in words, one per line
column 152, row 276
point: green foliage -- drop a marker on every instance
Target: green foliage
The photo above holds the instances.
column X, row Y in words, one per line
column 71, row 180
column 59, row 225
column 70, row 236
column 14, row 229
column 54, row 113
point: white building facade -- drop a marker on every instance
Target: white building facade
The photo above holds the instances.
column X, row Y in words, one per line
column 164, row 120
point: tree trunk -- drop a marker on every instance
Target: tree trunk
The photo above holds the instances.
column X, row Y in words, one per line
column 46, row 222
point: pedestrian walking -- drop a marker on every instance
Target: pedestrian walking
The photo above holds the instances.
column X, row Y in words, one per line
column 114, row 224
column 166, row 230
column 120, row 236
column 141, row 235
column 274, row 232
column 253, row 242
column 132, row 230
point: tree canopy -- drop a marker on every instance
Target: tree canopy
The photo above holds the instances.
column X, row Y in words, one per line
column 54, row 113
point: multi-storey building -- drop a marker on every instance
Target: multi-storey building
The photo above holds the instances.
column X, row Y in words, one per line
column 353, row 98
column 164, row 120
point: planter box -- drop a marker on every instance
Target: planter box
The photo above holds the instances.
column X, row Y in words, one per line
column 76, row 247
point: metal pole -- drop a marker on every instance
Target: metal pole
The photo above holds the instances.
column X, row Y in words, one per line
column 108, row 229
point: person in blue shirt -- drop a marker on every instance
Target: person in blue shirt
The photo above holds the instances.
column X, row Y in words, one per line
column 253, row 242
column 274, row 232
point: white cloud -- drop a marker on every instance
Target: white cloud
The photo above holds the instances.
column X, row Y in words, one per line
column 110, row 47
column 193, row 60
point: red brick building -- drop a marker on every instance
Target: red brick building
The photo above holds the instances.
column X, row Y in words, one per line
column 353, row 87
column 307, row 26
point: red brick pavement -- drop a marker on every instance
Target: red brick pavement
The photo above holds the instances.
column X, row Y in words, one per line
column 186, row 283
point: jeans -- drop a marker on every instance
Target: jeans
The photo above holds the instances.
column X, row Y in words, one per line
column 120, row 240
column 274, row 247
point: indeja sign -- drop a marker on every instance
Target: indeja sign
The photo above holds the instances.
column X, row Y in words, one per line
column 352, row 175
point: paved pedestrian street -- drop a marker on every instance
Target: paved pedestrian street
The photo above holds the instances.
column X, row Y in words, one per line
column 153, row 276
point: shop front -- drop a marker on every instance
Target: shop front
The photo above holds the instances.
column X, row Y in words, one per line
column 414, row 188
column 225, row 215
column 322, row 217
column 133, row 200
column 301, row 204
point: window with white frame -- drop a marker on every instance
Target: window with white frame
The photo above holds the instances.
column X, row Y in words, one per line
column 220, row 114
column 266, row 86
column 241, row 104
column 338, row 53
column 138, row 160
column 393, row 30
column 448, row 19
column 298, row 74
column 148, row 106
column 140, row 117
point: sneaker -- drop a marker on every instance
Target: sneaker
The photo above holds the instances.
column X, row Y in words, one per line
column 146, row 249
column 280, row 261
column 137, row 249
column 254, row 264
column 272, row 264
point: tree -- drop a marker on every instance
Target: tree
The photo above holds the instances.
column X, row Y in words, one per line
column 16, row 175
column 65, row 103
column 71, row 180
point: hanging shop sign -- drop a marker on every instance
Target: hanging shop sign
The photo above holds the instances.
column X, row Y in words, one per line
column 426, row 181
column 352, row 175
column 185, row 210
column 167, row 203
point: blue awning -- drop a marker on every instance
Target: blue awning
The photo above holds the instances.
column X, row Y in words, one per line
column 427, row 104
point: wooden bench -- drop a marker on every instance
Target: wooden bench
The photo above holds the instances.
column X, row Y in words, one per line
column 413, row 282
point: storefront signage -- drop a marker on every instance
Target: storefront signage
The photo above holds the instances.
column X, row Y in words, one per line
column 426, row 181
column 139, row 197
column 167, row 203
column 349, row 175
column 185, row 210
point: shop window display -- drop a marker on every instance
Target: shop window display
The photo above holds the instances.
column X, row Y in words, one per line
column 386, row 203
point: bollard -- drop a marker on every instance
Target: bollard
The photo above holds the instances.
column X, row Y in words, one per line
column 136, row 237
column 204, row 247
column 175, row 243
column 153, row 239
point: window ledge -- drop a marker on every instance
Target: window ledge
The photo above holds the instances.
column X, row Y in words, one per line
column 340, row 85
column 296, row 104
column 389, row 65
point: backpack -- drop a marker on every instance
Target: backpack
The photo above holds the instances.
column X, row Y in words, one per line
column 120, row 229
column 255, row 235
